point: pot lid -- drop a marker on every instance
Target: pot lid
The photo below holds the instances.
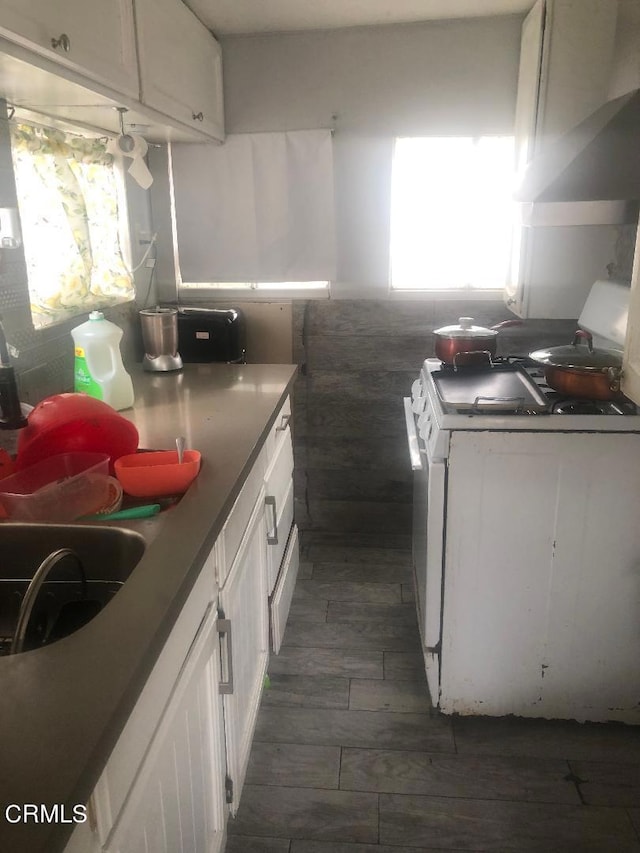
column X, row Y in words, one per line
column 465, row 329
column 579, row 356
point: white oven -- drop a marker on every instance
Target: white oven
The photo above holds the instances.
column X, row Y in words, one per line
column 526, row 554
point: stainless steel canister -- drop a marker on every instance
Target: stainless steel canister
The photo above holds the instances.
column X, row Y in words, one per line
column 160, row 338
column 159, row 331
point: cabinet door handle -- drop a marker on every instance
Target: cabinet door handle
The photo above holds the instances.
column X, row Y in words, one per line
column 272, row 538
column 223, row 626
column 197, row 116
column 63, row 41
column 284, row 423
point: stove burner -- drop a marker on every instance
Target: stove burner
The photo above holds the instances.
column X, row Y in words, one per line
column 593, row 407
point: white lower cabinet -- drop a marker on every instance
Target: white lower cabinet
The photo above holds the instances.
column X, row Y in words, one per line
column 281, row 533
column 244, row 647
column 176, row 804
column 280, row 601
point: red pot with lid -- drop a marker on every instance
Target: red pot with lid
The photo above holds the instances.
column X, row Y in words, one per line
column 464, row 337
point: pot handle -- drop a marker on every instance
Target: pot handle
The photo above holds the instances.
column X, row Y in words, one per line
column 614, row 375
column 582, row 335
column 504, row 324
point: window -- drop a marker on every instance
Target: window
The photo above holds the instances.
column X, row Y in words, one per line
column 254, row 217
column 70, row 199
column 452, row 213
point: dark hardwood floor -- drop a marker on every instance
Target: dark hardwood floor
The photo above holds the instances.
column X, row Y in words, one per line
column 349, row 756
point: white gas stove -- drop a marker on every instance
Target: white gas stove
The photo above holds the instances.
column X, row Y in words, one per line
column 526, row 546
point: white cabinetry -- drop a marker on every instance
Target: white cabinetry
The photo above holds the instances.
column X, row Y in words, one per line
column 177, row 801
column 282, row 540
column 94, row 39
column 631, row 366
column 245, row 648
column 565, row 66
column 180, row 65
column 540, row 600
column 162, row 789
column 91, row 66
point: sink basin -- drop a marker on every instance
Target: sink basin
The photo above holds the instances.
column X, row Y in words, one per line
column 76, row 587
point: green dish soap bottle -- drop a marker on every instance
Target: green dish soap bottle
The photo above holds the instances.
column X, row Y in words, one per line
column 99, row 370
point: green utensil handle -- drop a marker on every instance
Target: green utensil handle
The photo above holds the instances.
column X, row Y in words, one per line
column 145, row 511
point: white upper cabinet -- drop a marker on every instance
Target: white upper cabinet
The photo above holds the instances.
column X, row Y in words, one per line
column 564, row 75
column 96, row 40
column 74, row 61
column 180, row 65
column 631, row 365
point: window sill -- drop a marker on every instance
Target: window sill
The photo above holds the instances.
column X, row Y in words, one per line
column 208, row 294
column 466, row 295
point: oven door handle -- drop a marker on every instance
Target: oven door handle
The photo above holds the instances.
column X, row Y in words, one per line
column 412, row 437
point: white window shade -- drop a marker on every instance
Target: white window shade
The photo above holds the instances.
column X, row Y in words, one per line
column 258, row 208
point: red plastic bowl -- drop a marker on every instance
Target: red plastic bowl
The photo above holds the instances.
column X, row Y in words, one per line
column 158, row 473
column 69, row 423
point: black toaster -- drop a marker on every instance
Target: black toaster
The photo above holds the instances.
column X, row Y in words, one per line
column 212, row 334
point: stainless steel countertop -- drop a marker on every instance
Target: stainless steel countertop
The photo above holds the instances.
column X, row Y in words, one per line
column 63, row 707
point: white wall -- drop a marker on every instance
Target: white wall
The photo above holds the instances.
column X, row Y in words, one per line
column 428, row 78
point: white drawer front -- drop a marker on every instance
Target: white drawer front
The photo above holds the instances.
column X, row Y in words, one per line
column 275, row 549
column 280, row 472
column 279, row 429
column 238, row 519
column 281, row 601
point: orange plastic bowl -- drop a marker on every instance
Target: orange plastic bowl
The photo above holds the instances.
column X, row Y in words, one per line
column 158, row 473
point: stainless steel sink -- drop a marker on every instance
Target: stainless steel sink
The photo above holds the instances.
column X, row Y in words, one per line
column 76, row 585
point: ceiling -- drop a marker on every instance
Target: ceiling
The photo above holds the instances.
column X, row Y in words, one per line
column 235, row 17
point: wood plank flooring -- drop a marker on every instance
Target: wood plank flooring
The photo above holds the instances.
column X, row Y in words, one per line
column 350, row 757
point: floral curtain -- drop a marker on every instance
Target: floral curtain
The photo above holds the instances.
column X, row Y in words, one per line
column 68, row 202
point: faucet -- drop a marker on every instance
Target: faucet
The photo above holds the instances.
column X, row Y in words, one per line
column 41, row 575
column 11, row 416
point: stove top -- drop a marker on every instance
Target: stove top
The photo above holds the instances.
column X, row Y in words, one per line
column 558, row 404
column 576, row 415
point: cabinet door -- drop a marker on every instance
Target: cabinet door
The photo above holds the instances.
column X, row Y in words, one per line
column 245, row 649
column 176, row 804
column 565, row 61
column 180, row 65
column 99, row 39
column 541, row 588
column 631, row 364
column 280, row 601
column 279, row 506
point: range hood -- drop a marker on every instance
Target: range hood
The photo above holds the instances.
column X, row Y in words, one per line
column 591, row 175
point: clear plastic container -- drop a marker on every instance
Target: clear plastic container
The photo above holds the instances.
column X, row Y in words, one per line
column 58, row 489
column 99, row 370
